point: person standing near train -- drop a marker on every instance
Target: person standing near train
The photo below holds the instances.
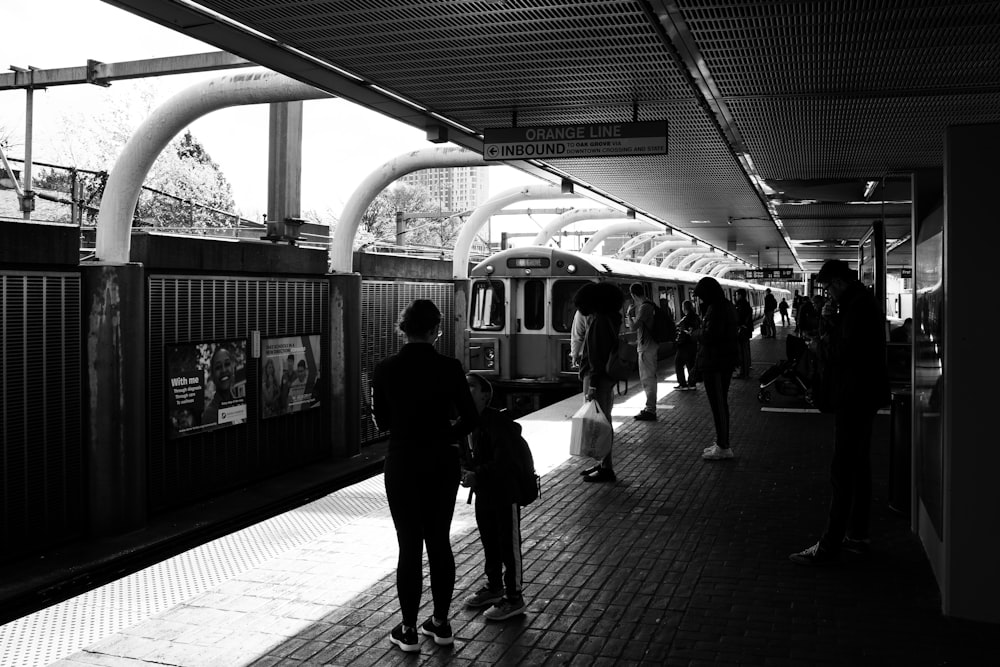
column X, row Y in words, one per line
column 716, row 359
column 686, row 348
column 767, row 328
column 602, row 336
column 640, row 320
column 415, row 396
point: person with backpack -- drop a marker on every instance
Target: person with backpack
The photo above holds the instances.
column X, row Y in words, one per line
column 640, row 320
column 498, row 468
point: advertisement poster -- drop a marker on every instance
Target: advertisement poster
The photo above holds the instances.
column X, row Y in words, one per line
column 206, row 386
column 289, row 379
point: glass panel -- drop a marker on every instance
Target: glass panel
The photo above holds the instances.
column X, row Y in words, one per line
column 487, row 305
column 534, row 304
column 563, row 309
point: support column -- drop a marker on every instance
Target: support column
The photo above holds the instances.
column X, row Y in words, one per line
column 284, row 161
column 346, row 382
column 115, row 329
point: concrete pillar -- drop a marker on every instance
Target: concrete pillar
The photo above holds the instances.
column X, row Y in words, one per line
column 115, row 357
column 284, row 161
column 345, row 364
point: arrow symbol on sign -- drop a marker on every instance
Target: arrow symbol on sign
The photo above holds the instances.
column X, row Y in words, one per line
column 492, row 150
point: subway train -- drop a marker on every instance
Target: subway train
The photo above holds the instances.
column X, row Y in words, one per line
column 521, row 312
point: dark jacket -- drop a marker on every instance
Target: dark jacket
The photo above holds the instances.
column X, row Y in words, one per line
column 770, row 303
column 854, row 347
column 744, row 317
column 416, row 395
column 493, row 443
column 689, row 323
column 717, row 348
column 601, row 339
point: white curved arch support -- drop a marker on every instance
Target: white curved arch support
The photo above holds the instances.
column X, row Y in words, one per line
column 666, row 245
column 114, row 220
column 685, row 264
column 720, row 271
column 460, row 258
column 342, row 244
column 704, row 262
column 616, row 229
column 639, row 239
column 569, row 217
column 680, row 254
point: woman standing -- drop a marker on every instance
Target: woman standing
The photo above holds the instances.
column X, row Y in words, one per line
column 600, row 340
column 716, row 359
column 416, row 396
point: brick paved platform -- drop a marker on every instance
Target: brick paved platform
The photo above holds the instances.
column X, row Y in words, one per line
column 680, row 562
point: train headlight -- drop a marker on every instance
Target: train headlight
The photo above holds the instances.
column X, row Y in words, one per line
column 571, row 268
column 490, row 269
column 491, row 354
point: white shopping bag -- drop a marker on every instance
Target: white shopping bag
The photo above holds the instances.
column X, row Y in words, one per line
column 591, row 432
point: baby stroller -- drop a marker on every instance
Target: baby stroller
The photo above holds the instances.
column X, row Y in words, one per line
column 791, row 376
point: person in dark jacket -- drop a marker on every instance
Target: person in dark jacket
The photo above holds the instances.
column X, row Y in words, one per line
column 686, row 347
column 423, row 400
column 602, row 336
column 744, row 332
column 854, row 347
column 767, row 328
column 488, row 470
column 716, row 359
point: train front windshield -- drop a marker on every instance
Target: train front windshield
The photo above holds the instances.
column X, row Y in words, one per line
column 487, row 305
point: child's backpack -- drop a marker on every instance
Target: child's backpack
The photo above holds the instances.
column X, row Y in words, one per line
column 527, row 484
column 664, row 328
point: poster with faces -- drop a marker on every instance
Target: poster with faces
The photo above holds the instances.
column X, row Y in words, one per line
column 289, row 379
column 206, row 386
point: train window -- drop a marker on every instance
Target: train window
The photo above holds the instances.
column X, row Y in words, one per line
column 534, row 304
column 563, row 309
column 487, row 305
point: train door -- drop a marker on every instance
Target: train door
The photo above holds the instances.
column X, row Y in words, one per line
column 529, row 332
column 489, row 330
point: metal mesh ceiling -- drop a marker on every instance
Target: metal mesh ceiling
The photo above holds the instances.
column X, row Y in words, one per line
column 810, row 91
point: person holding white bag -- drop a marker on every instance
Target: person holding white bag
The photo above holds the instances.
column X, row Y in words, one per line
column 601, row 338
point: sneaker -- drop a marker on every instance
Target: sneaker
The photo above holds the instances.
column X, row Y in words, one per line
column 716, row 453
column 405, row 639
column 506, row 608
column 815, row 555
column 484, row 597
column 692, row 387
column 646, row 416
column 441, row 633
column 862, row 548
column 681, row 387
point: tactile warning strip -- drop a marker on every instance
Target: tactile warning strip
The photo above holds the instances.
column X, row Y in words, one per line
column 63, row 629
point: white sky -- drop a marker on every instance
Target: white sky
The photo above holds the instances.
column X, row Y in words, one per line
column 342, row 142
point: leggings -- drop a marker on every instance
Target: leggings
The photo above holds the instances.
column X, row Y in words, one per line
column 717, row 390
column 421, row 488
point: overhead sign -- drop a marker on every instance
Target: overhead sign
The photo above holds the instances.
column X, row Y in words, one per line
column 585, row 140
column 768, row 274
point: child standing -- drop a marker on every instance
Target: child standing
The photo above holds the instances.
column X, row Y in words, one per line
column 488, row 470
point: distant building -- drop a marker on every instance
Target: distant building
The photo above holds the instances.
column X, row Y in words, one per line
column 452, row 189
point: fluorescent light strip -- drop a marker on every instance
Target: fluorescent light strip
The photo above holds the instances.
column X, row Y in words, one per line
column 395, row 96
column 453, row 123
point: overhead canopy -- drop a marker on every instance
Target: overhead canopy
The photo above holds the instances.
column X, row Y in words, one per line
column 779, row 113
